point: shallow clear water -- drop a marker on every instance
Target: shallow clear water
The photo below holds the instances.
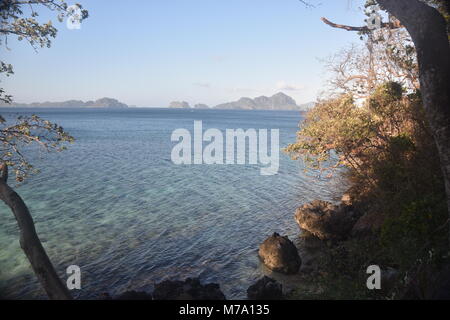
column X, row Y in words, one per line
column 115, row 205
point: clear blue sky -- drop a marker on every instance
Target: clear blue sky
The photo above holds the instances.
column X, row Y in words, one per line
column 150, row 52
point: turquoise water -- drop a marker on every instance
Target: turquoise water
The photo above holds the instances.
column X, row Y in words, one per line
column 115, row 205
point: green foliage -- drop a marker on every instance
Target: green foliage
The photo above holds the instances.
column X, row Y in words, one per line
column 341, row 272
column 391, row 161
column 24, row 132
column 7, row 70
column 18, row 18
column 393, row 165
column 385, row 137
column 419, row 226
column 335, row 125
column 386, row 94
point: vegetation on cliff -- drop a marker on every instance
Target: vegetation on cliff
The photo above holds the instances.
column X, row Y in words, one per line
column 373, row 128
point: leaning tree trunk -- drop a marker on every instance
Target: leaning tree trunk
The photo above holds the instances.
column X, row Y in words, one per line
column 30, row 243
column 428, row 31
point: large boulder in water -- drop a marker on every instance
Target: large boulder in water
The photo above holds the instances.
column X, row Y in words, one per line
column 279, row 254
column 326, row 220
column 265, row 289
column 190, row 289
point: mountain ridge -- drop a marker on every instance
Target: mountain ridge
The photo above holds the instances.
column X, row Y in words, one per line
column 278, row 101
column 99, row 103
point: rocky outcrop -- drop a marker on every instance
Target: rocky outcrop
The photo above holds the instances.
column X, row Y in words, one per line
column 265, row 289
column 179, row 105
column 326, row 220
column 190, row 289
column 279, row 254
column 368, row 224
column 279, row 101
column 106, row 103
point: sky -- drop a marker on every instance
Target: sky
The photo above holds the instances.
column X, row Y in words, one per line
column 151, row 52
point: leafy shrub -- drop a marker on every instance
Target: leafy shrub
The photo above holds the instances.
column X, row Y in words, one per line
column 417, row 229
column 391, row 160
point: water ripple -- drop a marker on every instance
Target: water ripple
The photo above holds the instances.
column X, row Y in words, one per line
column 116, row 206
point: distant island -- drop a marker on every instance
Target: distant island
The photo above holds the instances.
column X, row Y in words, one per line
column 99, row 103
column 179, row 105
column 278, row 101
column 185, row 105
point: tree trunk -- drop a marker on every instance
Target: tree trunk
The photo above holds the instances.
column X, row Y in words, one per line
column 30, row 243
column 428, row 31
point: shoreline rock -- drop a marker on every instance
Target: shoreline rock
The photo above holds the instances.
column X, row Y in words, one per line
column 325, row 220
column 190, row 289
column 265, row 289
column 279, row 254
column 368, row 224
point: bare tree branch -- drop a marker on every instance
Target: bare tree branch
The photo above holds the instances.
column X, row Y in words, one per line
column 392, row 25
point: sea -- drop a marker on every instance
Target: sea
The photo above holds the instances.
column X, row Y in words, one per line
column 116, row 205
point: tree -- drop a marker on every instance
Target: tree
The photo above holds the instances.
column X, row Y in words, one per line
column 30, row 243
column 17, row 18
column 428, row 29
column 386, row 56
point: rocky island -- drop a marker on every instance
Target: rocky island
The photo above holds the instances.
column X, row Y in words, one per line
column 278, row 101
column 179, row 105
column 99, row 103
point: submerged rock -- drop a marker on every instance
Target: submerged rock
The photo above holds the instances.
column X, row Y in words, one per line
column 280, row 254
column 265, row 289
column 190, row 289
column 326, row 220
